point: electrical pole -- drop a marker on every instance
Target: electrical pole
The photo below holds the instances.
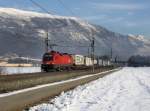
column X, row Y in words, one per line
column 46, row 42
column 111, row 54
column 49, row 45
column 116, row 59
column 92, row 52
column 88, row 51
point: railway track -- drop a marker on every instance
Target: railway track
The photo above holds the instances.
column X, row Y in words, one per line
column 20, row 81
column 19, row 100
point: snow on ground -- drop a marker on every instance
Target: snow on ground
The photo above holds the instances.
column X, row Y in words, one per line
column 125, row 90
column 19, row 70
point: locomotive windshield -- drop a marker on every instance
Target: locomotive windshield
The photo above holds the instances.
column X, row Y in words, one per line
column 47, row 57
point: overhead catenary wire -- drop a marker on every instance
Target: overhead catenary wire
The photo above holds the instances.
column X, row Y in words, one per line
column 69, row 10
column 47, row 32
column 41, row 7
column 71, row 46
column 67, row 7
column 49, row 12
column 92, row 40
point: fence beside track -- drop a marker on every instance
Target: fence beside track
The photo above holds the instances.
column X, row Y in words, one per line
column 17, row 101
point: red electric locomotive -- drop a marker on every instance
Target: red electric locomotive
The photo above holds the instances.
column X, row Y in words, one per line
column 56, row 61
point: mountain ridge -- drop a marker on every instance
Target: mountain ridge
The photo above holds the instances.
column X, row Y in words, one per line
column 25, row 32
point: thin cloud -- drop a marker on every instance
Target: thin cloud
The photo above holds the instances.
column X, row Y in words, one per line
column 118, row 6
column 136, row 23
column 95, row 17
column 104, row 18
column 130, row 24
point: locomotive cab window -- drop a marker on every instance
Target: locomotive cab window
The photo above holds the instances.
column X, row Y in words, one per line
column 47, row 57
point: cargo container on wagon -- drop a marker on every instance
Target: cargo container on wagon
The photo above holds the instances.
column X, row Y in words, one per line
column 88, row 61
column 78, row 60
column 100, row 62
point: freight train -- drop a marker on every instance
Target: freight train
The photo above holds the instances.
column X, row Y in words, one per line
column 54, row 60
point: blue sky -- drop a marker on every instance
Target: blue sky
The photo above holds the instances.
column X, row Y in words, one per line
column 123, row 16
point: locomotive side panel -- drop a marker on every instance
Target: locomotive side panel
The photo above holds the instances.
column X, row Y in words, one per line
column 56, row 60
column 62, row 59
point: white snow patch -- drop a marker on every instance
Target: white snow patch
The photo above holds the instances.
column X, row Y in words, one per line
column 29, row 14
column 19, row 70
column 125, row 90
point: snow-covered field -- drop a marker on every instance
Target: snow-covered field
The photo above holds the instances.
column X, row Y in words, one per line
column 125, row 90
column 19, row 70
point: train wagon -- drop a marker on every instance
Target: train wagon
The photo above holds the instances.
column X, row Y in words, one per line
column 109, row 63
column 100, row 62
column 78, row 60
column 88, row 61
column 106, row 63
column 55, row 60
column 95, row 62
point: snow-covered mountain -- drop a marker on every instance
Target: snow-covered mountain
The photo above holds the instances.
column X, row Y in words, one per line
column 23, row 33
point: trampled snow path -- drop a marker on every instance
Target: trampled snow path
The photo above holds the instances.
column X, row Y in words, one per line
column 125, row 90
